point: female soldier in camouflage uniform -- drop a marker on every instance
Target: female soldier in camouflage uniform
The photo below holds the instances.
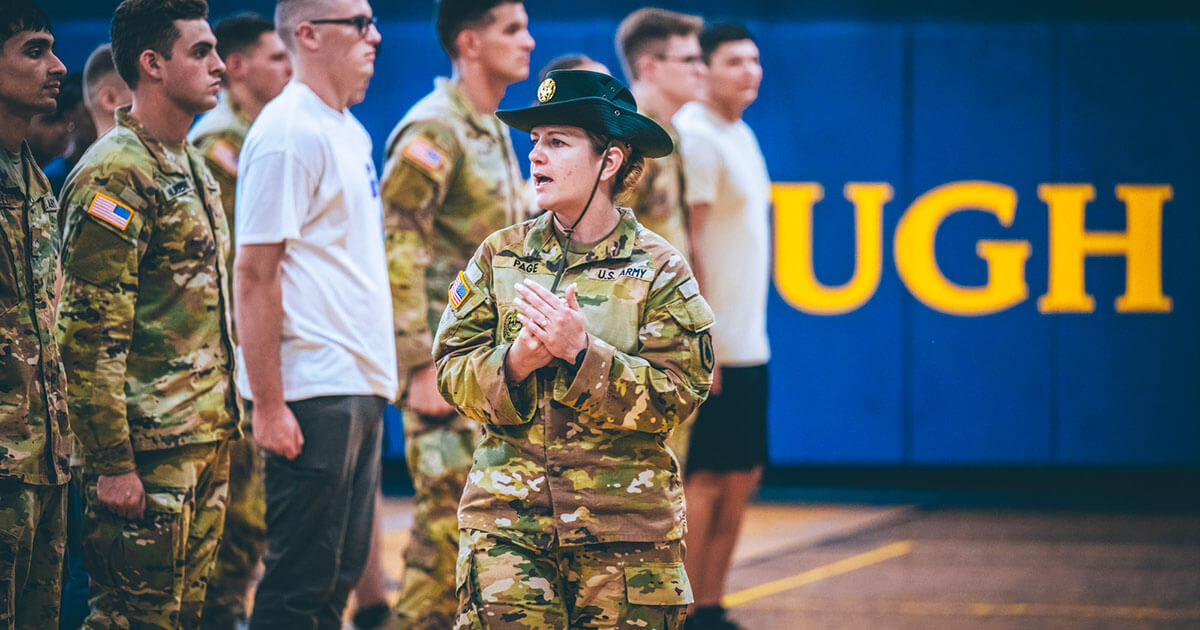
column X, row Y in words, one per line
column 578, row 339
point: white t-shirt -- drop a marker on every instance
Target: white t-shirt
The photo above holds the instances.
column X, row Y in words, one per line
column 307, row 181
column 724, row 167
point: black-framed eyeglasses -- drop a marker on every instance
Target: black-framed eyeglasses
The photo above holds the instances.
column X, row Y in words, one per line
column 686, row 60
column 361, row 22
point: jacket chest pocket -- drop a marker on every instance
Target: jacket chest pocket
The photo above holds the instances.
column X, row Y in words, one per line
column 185, row 238
column 504, row 281
column 612, row 300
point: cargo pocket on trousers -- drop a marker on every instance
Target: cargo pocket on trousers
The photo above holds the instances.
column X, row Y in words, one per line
column 663, row 587
column 145, row 556
column 467, row 617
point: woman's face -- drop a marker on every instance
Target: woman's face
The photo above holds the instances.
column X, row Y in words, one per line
column 563, row 166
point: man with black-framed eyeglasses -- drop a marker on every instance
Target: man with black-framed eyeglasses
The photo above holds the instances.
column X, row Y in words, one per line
column 314, row 315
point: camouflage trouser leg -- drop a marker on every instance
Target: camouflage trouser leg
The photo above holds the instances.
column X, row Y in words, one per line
column 680, row 440
column 506, row 586
column 244, row 541
column 439, row 457
column 33, row 534
column 153, row 572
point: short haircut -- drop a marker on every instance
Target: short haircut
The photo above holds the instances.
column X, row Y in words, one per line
column 719, row 33
column 99, row 66
column 290, row 13
column 19, row 16
column 569, row 61
column 646, row 31
column 141, row 25
column 452, row 17
column 240, row 33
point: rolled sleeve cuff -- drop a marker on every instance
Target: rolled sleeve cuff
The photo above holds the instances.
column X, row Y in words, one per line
column 510, row 404
column 116, row 460
column 584, row 387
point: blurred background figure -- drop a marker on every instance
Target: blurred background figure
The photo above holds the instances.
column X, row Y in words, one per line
column 59, row 139
column 729, row 197
column 33, row 409
column 104, row 91
column 572, row 61
column 257, row 67
column 451, row 178
column 660, row 53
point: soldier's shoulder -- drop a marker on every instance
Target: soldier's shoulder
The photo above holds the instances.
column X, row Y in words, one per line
column 653, row 244
column 442, row 132
column 115, row 162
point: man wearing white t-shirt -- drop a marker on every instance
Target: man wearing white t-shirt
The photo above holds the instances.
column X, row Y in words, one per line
column 314, row 314
column 729, row 197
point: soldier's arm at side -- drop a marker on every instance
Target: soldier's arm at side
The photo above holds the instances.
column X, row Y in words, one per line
column 470, row 365
column 662, row 384
column 96, row 316
column 419, row 166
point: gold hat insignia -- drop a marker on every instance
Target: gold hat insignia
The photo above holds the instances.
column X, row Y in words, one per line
column 546, row 90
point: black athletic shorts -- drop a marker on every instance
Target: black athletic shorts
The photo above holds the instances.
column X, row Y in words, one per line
column 730, row 433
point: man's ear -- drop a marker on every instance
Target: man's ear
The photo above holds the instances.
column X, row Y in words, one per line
column 646, row 67
column 150, row 64
column 235, row 63
column 307, row 38
column 467, row 42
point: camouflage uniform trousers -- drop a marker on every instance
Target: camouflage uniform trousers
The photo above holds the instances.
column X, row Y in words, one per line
column 438, row 451
column 33, row 534
column 153, row 572
column 506, row 586
column 244, row 541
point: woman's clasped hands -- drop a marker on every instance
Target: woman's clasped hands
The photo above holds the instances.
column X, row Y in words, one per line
column 550, row 327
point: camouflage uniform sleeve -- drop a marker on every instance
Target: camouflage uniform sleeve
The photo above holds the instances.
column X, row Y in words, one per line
column 666, row 380
column 221, row 155
column 470, row 365
column 420, row 164
column 95, row 318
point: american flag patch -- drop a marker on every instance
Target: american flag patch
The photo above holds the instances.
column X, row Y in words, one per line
column 425, row 155
column 108, row 210
column 226, row 156
column 459, row 290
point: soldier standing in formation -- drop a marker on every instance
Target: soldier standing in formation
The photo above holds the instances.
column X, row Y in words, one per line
column 145, row 329
column 451, row 179
column 104, row 91
column 33, row 406
column 660, row 53
column 573, row 513
column 257, row 67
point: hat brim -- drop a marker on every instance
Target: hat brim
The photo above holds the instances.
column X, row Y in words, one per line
column 597, row 115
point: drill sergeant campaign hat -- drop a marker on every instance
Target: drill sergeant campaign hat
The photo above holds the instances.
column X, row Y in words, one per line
column 594, row 102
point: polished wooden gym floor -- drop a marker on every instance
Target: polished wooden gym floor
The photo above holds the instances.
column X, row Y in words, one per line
column 804, row 566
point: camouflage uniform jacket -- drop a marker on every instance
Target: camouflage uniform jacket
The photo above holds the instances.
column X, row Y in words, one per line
column 451, row 178
column 577, row 455
column 219, row 136
column 144, row 321
column 658, row 199
column 33, row 406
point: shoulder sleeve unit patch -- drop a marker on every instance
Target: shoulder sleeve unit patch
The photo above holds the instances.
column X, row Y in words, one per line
column 108, row 210
column 425, row 155
column 225, row 156
column 459, row 290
